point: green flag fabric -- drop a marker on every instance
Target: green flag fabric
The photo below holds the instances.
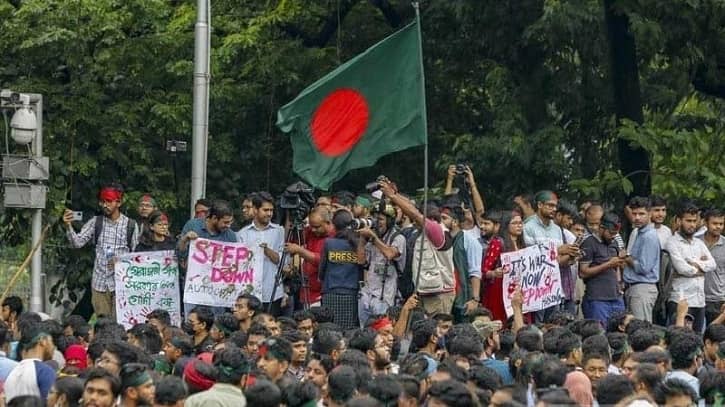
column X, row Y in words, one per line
column 370, row 106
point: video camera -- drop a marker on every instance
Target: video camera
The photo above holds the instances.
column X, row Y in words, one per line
column 298, row 200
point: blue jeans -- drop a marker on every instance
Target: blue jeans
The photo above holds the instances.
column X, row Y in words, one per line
column 601, row 310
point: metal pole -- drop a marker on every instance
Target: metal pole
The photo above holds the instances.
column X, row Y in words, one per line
column 200, row 127
column 36, row 264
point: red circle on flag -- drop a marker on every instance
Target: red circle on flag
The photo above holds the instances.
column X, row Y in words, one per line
column 339, row 122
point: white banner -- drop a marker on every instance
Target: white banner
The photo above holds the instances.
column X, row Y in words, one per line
column 536, row 270
column 218, row 272
column 146, row 281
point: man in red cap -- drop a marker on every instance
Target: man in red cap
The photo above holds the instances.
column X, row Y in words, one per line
column 113, row 234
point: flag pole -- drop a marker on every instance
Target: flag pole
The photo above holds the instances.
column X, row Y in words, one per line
column 416, row 5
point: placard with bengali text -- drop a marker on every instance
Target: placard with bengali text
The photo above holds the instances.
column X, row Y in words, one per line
column 146, row 281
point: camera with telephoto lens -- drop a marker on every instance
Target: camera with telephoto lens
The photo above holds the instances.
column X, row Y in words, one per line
column 375, row 185
column 298, row 200
column 358, row 224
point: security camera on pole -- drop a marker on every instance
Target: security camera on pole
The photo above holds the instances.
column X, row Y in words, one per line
column 24, row 173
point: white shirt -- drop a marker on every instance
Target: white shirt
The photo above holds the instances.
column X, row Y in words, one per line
column 273, row 236
column 681, row 252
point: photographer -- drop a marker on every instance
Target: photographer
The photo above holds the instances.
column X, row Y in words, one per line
column 435, row 296
column 385, row 254
column 468, row 192
column 340, row 265
column 318, row 229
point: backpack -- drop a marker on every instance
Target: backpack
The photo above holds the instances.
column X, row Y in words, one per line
column 436, row 268
column 406, row 285
column 130, row 228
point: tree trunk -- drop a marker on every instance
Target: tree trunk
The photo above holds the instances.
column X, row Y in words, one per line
column 634, row 162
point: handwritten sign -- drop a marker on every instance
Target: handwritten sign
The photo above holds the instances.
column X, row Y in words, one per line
column 146, row 281
column 536, row 270
column 218, row 272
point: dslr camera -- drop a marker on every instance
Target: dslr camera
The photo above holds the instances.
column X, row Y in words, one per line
column 460, row 169
column 375, row 185
column 358, row 224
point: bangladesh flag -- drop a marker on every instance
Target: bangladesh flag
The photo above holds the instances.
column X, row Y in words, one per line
column 372, row 105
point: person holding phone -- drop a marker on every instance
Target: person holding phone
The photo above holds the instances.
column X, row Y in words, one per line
column 113, row 234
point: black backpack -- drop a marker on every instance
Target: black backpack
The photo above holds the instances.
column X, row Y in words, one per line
column 406, row 285
column 130, row 228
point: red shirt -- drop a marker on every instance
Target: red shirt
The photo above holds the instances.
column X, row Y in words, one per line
column 310, row 269
column 493, row 288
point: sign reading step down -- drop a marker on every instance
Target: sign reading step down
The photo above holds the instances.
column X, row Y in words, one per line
column 218, row 272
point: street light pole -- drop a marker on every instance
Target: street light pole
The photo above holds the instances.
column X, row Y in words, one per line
column 200, row 128
column 36, row 226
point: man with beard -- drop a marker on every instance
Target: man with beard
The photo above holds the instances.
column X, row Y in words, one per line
column 691, row 260
column 113, row 234
column 216, row 226
column 541, row 229
column 715, row 281
column 100, row 389
column 379, row 355
column 247, row 210
column 385, row 253
column 137, row 387
column 642, row 271
column 598, row 269
column 318, row 229
column 266, row 239
column 490, row 223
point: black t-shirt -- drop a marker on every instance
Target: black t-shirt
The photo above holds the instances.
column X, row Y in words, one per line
column 602, row 286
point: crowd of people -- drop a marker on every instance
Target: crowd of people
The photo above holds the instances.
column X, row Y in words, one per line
column 376, row 300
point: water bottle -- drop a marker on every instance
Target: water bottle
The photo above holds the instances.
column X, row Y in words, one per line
column 109, row 256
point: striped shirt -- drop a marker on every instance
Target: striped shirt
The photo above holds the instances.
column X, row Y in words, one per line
column 112, row 242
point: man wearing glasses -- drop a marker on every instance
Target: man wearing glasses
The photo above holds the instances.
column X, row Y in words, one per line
column 541, row 229
column 113, row 234
column 214, row 226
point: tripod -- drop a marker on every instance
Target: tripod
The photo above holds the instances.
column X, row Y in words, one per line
column 294, row 234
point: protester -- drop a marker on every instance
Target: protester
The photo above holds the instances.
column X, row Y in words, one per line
column 598, row 268
column 435, row 345
column 715, row 280
column 642, row 271
column 269, row 237
column 511, row 238
column 691, row 260
column 157, row 236
column 113, row 234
